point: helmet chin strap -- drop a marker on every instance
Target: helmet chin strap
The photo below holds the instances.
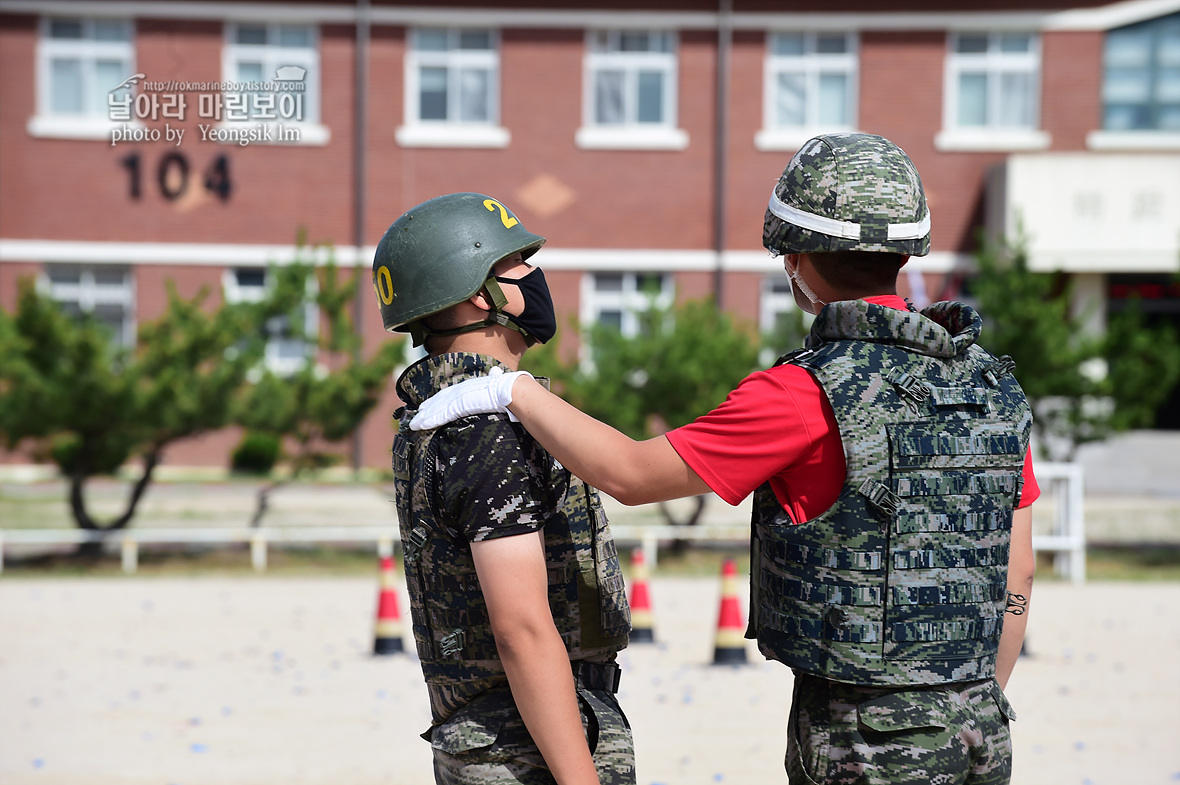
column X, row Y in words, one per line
column 419, row 332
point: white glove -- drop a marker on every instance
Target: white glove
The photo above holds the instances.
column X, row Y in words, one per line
column 482, row 395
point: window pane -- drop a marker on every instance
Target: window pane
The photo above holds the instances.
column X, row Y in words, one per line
column 430, row 40
column 831, row 44
column 1124, row 85
column 833, row 99
column 111, row 30
column 611, row 319
column 251, row 34
column 971, row 43
column 1015, row 100
column 111, row 317
column 790, row 100
column 1015, row 42
column 1168, row 50
column 110, row 278
column 66, row 86
column 64, row 276
column 608, row 98
column 1169, row 118
column 630, row 41
column 474, row 95
column 297, row 36
column 250, row 278
column 1128, row 48
column 1121, row 118
column 65, row 28
column 608, row 282
column 475, row 39
column 432, row 93
column 249, row 71
column 788, row 44
column 651, row 97
column 649, row 283
column 109, row 74
column 972, row 99
column 1167, row 88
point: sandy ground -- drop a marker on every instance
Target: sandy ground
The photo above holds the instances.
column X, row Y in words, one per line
column 253, row 680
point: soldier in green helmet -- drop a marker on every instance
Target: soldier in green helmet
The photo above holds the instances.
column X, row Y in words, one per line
column 517, row 600
column 891, row 545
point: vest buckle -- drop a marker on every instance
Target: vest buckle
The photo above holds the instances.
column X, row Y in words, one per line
column 880, row 497
column 992, row 373
column 451, row 643
column 908, row 387
column 414, row 543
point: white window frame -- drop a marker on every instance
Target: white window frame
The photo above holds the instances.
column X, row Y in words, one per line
column 630, row 134
column 812, row 64
column 274, row 359
column 94, row 122
column 303, row 128
column 88, row 293
column 452, row 132
column 630, row 301
column 991, row 136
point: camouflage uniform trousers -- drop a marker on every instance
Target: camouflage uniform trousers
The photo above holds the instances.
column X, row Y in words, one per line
column 844, row 734
column 486, row 743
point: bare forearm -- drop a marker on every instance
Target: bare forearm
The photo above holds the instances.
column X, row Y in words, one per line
column 542, row 685
column 634, row 472
column 1021, row 569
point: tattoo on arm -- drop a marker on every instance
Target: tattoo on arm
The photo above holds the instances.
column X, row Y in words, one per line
column 1017, row 604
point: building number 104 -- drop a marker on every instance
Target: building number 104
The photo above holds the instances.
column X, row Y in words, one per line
column 172, row 176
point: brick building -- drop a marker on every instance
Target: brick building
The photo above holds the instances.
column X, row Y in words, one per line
column 641, row 138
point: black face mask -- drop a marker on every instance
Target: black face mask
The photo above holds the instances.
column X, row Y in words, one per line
column 538, row 322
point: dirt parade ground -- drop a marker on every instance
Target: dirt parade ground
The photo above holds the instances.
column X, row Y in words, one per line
column 261, row 680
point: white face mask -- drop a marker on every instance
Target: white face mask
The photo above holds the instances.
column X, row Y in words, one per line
column 798, row 282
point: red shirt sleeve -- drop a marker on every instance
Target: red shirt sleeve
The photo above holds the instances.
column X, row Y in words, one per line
column 777, row 426
column 1031, row 491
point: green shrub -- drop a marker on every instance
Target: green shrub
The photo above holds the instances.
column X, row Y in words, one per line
column 257, row 453
column 64, row 450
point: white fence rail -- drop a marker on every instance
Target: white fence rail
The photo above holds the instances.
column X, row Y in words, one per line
column 1060, row 482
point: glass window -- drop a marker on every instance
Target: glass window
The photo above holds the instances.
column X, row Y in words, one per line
column 286, row 350
column 993, row 80
column 617, row 299
column 276, row 68
column 80, row 62
column 453, row 76
column 104, row 293
column 631, row 76
column 811, row 81
column 1141, row 79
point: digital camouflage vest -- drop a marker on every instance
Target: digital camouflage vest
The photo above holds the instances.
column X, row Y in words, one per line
column 903, row 580
column 448, row 614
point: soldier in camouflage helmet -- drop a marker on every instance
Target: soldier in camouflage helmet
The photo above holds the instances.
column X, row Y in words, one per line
column 891, row 546
column 516, row 596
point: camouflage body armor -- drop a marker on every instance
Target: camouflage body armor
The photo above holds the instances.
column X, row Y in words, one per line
column 903, row 580
column 449, row 616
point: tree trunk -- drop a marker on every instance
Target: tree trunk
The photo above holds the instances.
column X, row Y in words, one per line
column 263, row 501
column 679, row 546
column 78, row 478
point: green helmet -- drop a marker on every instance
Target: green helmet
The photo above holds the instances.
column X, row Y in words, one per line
column 848, row 192
column 441, row 253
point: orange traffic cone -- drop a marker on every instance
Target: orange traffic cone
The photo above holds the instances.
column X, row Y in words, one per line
column 388, row 637
column 641, row 629
column 730, row 648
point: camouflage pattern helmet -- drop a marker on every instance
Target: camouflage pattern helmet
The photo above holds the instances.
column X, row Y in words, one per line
column 440, row 253
column 848, row 192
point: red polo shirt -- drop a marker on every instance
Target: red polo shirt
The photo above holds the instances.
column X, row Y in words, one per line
column 778, row 426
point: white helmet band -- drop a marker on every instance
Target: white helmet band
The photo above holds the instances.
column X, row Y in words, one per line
column 843, row 229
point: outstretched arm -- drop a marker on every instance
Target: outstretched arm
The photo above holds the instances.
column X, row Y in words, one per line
column 513, row 577
column 1022, row 565
column 634, row 472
